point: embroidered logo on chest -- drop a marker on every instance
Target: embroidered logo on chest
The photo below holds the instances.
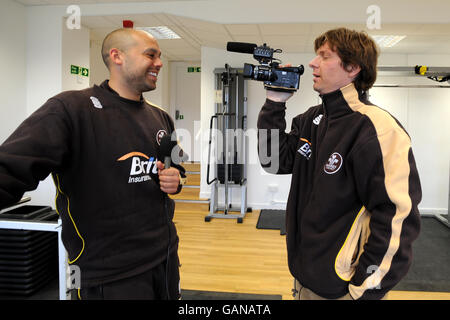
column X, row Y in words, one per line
column 333, row 164
column 161, row 133
column 317, row 119
column 96, row 103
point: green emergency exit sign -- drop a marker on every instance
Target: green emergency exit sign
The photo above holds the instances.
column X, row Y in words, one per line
column 79, row 70
column 194, row 69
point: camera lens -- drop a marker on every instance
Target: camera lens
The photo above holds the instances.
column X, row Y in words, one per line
column 263, row 73
column 259, row 73
column 248, row 70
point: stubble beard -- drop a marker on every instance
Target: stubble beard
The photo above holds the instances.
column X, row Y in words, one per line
column 137, row 81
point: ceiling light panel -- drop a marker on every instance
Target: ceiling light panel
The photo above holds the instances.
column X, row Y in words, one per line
column 387, row 41
column 161, row 32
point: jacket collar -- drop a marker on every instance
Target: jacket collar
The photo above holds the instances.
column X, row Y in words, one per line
column 105, row 86
column 342, row 101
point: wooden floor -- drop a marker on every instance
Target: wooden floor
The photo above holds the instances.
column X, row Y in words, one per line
column 222, row 255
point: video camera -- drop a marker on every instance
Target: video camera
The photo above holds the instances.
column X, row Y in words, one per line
column 275, row 78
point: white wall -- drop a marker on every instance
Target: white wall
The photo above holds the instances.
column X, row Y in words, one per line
column 75, row 51
column 43, row 55
column 425, row 113
column 12, row 64
column 51, row 50
column 97, row 67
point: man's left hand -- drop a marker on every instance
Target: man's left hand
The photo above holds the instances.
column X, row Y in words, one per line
column 169, row 179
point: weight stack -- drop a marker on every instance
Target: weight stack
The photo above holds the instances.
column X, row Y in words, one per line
column 28, row 259
column 235, row 172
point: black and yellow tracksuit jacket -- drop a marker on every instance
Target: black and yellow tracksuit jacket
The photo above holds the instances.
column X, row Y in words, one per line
column 101, row 150
column 352, row 213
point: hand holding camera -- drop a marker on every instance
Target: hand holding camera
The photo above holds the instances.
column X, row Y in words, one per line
column 279, row 96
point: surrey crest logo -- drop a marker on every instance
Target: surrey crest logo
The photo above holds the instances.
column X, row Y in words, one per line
column 161, row 133
column 333, row 164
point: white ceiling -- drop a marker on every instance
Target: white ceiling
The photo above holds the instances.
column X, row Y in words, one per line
column 426, row 38
column 69, row 2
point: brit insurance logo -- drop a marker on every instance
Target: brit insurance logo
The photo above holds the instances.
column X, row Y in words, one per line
column 305, row 149
column 333, row 164
column 141, row 166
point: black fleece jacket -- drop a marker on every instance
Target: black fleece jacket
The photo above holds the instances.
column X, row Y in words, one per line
column 352, row 209
column 101, row 150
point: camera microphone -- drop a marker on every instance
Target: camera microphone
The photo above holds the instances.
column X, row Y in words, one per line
column 165, row 150
column 241, row 47
column 164, row 154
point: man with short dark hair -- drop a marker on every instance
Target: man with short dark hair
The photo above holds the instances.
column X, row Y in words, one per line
column 352, row 211
column 101, row 144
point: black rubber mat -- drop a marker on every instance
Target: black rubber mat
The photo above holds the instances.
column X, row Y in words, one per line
column 272, row 219
column 213, row 295
column 429, row 270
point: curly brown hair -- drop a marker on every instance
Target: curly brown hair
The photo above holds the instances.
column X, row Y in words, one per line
column 354, row 48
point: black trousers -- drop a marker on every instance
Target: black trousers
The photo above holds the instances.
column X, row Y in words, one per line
column 154, row 284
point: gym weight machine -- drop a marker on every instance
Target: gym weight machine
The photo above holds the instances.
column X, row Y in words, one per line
column 227, row 136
